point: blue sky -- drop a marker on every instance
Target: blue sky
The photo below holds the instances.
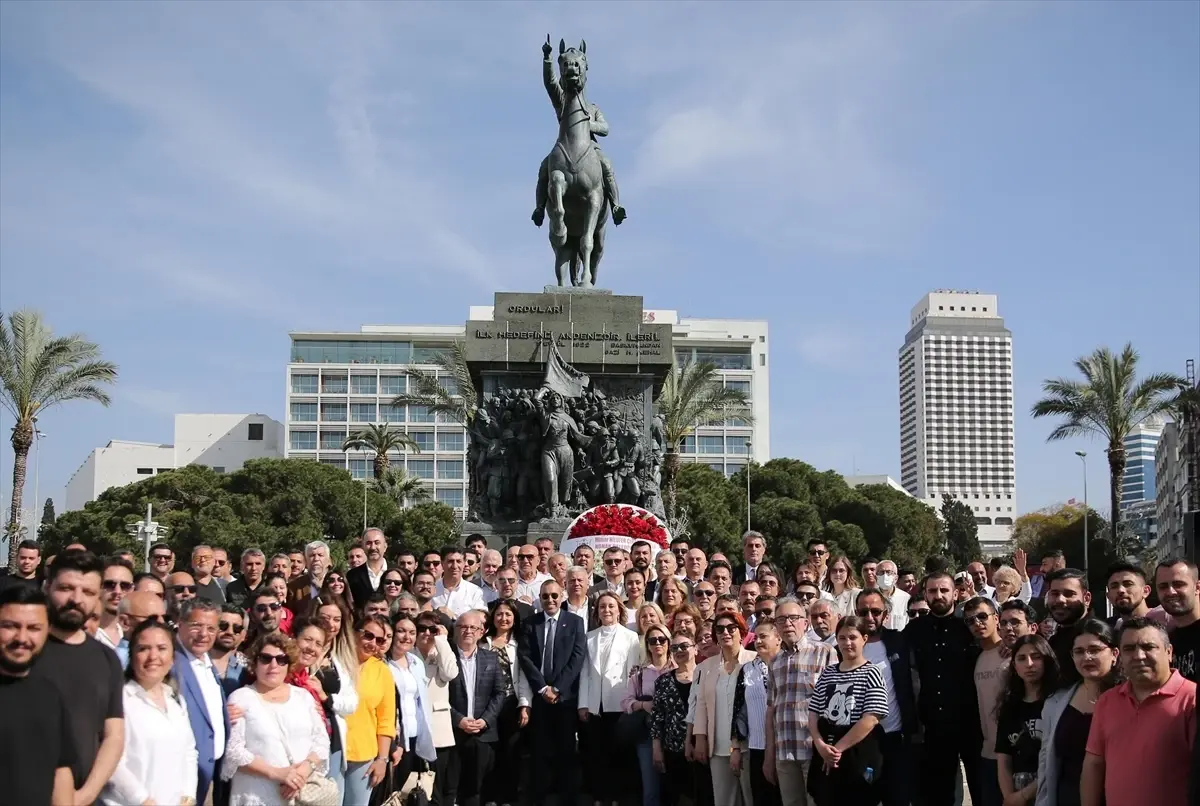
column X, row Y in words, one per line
column 185, row 183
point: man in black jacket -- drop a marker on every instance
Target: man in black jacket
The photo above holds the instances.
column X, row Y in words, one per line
column 943, row 654
column 367, row 578
column 476, row 697
column 552, row 653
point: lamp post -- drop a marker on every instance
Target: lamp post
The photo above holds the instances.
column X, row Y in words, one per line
column 1083, row 458
column 37, row 477
column 749, row 460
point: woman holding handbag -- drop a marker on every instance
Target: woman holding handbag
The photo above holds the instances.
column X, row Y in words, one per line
column 413, row 751
column 320, row 674
column 638, row 704
column 844, row 714
column 278, row 752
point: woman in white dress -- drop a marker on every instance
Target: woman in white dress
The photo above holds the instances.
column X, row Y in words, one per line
column 281, row 738
column 159, row 762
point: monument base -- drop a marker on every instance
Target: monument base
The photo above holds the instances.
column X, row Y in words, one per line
column 502, row 534
column 574, row 289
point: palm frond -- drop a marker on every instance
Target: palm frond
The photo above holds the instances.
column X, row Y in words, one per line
column 693, row 395
column 458, row 404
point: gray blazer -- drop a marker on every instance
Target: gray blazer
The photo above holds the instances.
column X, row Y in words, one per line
column 1047, row 774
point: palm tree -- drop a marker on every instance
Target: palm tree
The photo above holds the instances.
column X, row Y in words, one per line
column 458, row 403
column 38, row 371
column 379, row 439
column 1110, row 402
column 401, row 487
column 692, row 395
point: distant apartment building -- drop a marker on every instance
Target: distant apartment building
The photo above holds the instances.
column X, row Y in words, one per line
column 1138, row 482
column 223, row 442
column 956, row 410
column 1175, row 471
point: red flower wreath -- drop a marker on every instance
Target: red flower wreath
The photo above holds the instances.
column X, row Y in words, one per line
column 623, row 520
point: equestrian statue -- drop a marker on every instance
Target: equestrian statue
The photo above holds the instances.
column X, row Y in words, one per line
column 575, row 185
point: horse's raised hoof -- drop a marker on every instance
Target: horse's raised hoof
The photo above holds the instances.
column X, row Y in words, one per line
column 618, row 215
column 539, row 216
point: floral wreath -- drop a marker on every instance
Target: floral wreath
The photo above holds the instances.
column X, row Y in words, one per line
column 622, row 520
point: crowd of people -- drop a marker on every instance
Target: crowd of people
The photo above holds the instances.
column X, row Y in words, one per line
column 470, row 676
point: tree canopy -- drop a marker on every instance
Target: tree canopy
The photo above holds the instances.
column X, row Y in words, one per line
column 791, row 502
column 1060, row 528
column 272, row 504
column 962, row 531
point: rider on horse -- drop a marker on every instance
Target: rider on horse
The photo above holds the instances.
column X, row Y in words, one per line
column 598, row 126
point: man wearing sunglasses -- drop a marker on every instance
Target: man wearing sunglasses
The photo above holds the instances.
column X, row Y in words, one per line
column 818, row 557
column 115, row 585
column 614, row 574
column 162, row 561
column 226, row 660
column 136, row 607
column 222, row 569
column 181, row 588
column 990, row 671
column 529, row 579
column 887, row 649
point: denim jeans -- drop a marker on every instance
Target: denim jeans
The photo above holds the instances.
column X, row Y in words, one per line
column 650, row 782
column 358, row 789
column 336, row 775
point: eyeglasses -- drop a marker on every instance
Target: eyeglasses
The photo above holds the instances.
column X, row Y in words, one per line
column 804, row 597
column 160, row 558
column 113, row 584
column 701, row 592
column 372, row 638
column 874, row 612
column 656, row 640
column 764, row 614
column 222, row 563
column 263, row 608
column 269, row 658
column 613, row 561
column 918, row 612
column 387, row 583
column 336, row 578
column 817, row 552
column 506, row 580
column 525, row 556
column 726, row 627
column 978, row 618
column 226, row 626
column 551, row 596
column 427, row 629
column 183, row 588
column 1090, row 652
column 790, row 618
column 1011, row 623
column 681, row 647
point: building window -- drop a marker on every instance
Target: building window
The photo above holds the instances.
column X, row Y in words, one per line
column 255, row 432
column 334, row 461
column 304, row 440
column 304, row 412
column 420, row 468
column 427, row 355
column 393, row 384
column 424, row 439
column 449, row 442
column 451, row 498
column 164, row 469
column 1002, row 521
column 713, row 445
column 724, row 360
column 145, row 471
column 333, row 384
column 391, row 413
column 738, row 386
column 449, row 470
column 688, row 445
column 420, row 414
column 362, row 468
column 362, row 412
column 304, row 384
column 332, row 440
column 449, row 384
column 362, row 384
column 734, row 468
column 333, row 412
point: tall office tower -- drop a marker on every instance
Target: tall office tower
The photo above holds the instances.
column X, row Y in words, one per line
column 1138, row 483
column 956, row 410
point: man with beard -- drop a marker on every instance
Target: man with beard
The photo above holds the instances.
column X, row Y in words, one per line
column 181, row 588
column 29, row 556
column 35, row 752
column 639, row 555
column 226, row 660
column 489, row 567
column 888, row 650
column 203, row 564
column 1068, row 600
column 1127, row 591
column 943, row 656
column 304, row 589
column 295, row 563
column 366, row 579
column 84, row 671
column 253, row 564
column 1177, row 587
column 990, row 671
column 265, row 612
column 116, row 584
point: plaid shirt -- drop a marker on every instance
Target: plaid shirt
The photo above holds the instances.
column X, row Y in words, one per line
column 794, row 674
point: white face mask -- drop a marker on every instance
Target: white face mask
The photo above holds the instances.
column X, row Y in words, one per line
column 886, row 581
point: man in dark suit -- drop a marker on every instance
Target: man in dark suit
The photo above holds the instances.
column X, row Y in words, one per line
column 552, row 653
column 304, row 589
column 476, row 698
column 368, row 577
column 201, row 688
column 754, row 551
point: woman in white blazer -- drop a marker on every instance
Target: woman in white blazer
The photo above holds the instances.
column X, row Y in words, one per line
column 612, row 653
column 441, row 666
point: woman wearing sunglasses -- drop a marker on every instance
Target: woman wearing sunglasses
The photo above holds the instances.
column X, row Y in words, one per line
column 335, row 584
column 281, row 738
column 712, row 731
column 668, row 725
column 394, row 583
column 441, row 666
column 654, row 660
column 159, row 760
column 414, row 715
column 372, row 727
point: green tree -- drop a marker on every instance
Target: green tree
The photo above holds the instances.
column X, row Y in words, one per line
column 1109, row 403
column 715, row 507
column 962, row 531
column 895, row 525
column 692, row 395
column 456, row 399
column 48, row 512
column 400, row 487
column 424, row 527
column 379, row 439
column 39, row 371
column 1060, row 528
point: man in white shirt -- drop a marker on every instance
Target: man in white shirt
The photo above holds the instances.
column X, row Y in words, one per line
column 979, row 575
column 453, row 592
column 614, row 573
column 490, row 563
column 365, row 579
column 529, row 579
column 578, row 600
column 886, row 579
column 200, row 688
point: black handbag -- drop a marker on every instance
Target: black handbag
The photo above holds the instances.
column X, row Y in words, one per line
column 633, row 728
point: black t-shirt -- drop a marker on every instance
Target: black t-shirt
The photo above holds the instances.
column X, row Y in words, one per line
column 211, row 591
column 89, row 680
column 34, row 742
column 1186, row 644
column 239, row 592
column 1019, row 735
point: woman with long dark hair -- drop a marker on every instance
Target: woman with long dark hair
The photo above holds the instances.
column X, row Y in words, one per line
column 1067, row 714
column 503, row 627
column 1031, row 677
column 335, row 584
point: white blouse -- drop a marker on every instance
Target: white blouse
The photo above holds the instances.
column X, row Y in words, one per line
column 281, row 734
column 159, row 761
column 406, row 687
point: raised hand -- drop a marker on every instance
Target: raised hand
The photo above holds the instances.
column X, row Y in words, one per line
column 547, row 48
column 1019, row 560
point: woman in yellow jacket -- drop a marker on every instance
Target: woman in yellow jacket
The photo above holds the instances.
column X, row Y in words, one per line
column 372, row 726
column 713, row 726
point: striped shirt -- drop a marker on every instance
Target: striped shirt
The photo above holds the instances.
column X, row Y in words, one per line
column 794, row 674
column 844, row 697
column 754, row 682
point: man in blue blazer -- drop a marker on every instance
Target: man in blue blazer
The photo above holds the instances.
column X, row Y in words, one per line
column 201, row 688
column 475, row 717
column 552, row 668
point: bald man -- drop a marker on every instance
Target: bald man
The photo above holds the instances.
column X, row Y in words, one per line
column 181, row 587
column 133, row 610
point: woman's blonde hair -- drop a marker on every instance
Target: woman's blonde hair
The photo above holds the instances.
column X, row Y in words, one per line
column 637, row 617
column 851, row 579
column 621, row 616
column 644, row 660
column 672, row 582
column 1010, row 575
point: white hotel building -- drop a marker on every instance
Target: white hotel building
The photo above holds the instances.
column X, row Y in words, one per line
column 956, row 410
column 339, row 382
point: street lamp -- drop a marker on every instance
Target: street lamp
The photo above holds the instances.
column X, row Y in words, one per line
column 37, row 477
column 1083, row 458
column 749, row 459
